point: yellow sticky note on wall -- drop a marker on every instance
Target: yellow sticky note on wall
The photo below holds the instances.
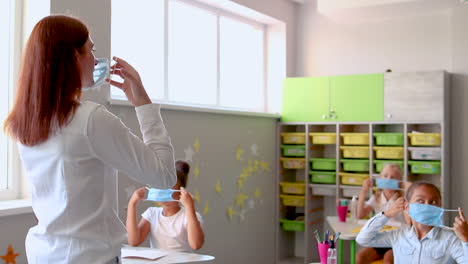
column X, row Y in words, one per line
column 196, row 172
column 196, row 196
column 265, row 166
column 230, row 212
column 206, row 209
column 196, row 145
column 240, row 199
column 240, row 183
column 239, row 153
column 258, row 193
column 218, row 187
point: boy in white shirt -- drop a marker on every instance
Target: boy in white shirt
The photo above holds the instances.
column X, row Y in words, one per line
column 172, row 227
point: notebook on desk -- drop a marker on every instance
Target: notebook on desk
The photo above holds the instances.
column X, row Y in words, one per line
column 142, row 253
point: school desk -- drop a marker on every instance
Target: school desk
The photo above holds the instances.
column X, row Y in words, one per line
column 171, row 257
column 349, row 231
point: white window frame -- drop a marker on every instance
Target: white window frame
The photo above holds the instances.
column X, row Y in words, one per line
column 14, row 172
column 219, row 12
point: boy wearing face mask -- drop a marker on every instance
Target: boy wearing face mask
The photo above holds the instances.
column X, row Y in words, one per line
column 389, row 191
column 172, row 227
column 426, row 241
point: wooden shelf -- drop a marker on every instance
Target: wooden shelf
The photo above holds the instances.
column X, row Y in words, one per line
column 352, row 187
column 317, row 185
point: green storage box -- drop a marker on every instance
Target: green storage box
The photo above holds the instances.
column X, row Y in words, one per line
column 355, row 164
column 293, row 150
column 424, row 167
column 380, row 164
column 323, row 164
column 389, row 139
column 323, row 177
column 292, row 225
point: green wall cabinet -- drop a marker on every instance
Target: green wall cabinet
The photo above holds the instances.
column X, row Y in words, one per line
column 357, row 97
column 305, row 99
column 333, row 99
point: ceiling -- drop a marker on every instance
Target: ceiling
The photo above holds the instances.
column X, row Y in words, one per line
column 358, row 10
column 425, row 5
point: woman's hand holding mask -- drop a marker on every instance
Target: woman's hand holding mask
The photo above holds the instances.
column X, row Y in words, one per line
column 131, row 85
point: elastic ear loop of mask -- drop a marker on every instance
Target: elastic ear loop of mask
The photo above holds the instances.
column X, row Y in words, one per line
column 111, row 73
column 450, row 210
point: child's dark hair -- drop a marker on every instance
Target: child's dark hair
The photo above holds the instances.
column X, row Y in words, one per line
column 417, row 184
column 182, row 169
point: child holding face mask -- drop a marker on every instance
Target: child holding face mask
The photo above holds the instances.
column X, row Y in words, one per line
column 427, row 240
column 389, row 191
column 172, row 227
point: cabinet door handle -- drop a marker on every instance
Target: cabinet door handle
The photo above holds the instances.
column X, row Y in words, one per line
column 389, row 115
column 324, row 116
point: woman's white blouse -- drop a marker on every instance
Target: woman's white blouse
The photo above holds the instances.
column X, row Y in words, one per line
column 73, row 178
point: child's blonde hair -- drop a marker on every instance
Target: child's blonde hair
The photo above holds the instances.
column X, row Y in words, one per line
column 393, row 166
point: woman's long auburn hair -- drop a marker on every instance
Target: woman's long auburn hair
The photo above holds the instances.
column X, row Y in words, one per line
column 49, row 83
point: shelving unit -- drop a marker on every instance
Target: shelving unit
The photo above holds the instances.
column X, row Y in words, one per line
column 396, row 103
column 297, row 246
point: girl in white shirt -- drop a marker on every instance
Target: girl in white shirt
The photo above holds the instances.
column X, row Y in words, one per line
column 71, row 150
column 379, row 202
column 172, row 227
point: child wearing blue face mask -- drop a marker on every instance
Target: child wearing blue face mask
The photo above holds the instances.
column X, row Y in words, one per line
column 385, row 196
column 170, row 226
column 426, row 241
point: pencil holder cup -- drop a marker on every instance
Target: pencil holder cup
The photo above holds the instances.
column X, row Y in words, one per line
column 323, row 252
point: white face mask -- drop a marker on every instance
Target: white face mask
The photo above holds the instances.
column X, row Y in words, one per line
column 100, row 73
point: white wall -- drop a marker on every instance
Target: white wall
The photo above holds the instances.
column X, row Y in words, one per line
column 327, row 47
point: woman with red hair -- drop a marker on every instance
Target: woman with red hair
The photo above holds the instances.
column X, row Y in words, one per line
column 71, row 150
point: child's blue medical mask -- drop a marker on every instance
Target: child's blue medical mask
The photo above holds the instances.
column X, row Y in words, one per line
column 427, row 214
column 100, row 73
column 161, row 195
column 391, row 184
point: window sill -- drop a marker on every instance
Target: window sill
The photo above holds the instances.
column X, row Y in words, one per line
column 204, row 109
column 15, row 207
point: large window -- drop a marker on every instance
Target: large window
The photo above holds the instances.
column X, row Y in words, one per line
column 6, row 18
column 138, row 37
column 14, row 28
column 191, row 53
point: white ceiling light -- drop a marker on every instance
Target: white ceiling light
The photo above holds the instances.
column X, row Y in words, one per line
column 357, row 11
column 324, row 5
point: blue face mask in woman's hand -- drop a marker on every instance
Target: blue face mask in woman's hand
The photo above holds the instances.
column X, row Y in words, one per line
column 427, row 214
column 100, row 73
column 390, row 184
column 161, row 195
